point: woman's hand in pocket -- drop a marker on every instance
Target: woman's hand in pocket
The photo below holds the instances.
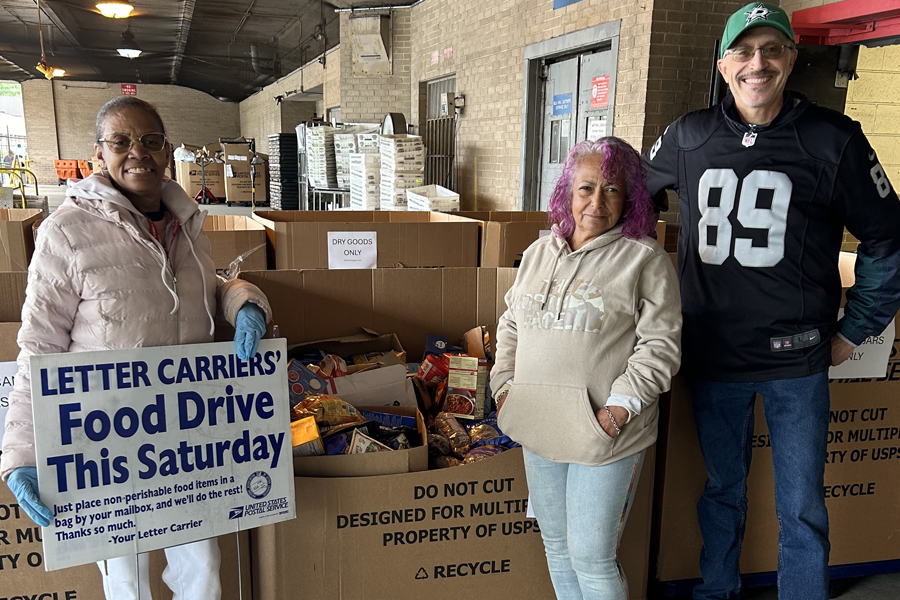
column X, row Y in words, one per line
column 618, row 413
column 501, row 398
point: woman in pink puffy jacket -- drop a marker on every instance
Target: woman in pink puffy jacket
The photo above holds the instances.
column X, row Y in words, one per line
column 124, row 263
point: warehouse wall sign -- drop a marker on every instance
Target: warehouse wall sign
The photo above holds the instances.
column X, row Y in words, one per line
column 154, row 447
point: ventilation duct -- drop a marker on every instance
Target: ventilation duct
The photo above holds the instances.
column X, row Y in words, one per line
column 370, row 42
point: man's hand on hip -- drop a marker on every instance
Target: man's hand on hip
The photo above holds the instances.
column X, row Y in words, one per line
column 840, row 351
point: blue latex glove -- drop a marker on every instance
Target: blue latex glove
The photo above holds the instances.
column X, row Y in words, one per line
column 24, row 485
column 249, row 327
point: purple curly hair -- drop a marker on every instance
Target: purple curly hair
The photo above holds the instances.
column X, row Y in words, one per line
column 620, row 162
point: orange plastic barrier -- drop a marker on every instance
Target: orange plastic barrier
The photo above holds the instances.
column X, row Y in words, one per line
column 66, row 169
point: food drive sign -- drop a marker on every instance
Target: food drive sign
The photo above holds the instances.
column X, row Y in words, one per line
column 155, row 447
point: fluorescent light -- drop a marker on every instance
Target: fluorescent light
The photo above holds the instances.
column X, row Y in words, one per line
column 129, row 52
column 115, row 10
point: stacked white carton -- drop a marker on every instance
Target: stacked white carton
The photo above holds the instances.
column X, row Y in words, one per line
column 402, row 167
column 365, row 180
column 349, row 141
column 320, row 161
column 432, row 197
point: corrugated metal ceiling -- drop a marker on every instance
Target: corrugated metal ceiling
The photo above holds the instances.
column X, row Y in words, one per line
column 228, row 48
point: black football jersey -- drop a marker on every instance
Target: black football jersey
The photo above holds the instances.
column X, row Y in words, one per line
column 762, row 215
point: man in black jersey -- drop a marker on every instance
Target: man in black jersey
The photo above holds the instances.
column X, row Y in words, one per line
column 767, row 182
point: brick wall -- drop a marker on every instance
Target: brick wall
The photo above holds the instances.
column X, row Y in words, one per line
column 40, row 127
column 260, row 116
column 682, row 58
column 488, row 38
column 60, row 118
column 366, row 99
column 874, row 101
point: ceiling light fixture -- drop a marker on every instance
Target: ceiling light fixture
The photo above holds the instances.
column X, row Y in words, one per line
column 47, row 71
column 115, row 10
column 128, row 48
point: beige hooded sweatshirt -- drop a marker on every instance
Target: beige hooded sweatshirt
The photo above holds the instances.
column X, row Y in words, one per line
column 610, row 325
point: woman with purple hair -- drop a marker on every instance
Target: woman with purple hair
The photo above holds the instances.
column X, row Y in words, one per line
column 590, row 339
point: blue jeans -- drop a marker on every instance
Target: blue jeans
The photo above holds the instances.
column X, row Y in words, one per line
column 797, row 413
column 581, row 512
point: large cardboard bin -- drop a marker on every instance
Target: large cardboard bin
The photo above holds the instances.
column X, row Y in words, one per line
column 190, row 177
column 299, row 239
column 326, row 553
column 861, row 478
column 506, row 234
column 17, row 237
column 433, row 534
column 232, row 236
column 23, row 576
column 238, row 187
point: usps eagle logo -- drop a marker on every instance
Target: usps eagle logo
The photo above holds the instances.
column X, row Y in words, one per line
column 759, row 12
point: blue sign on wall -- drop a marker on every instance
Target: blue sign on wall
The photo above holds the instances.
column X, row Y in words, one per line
column 562, row 104
column 561, row 3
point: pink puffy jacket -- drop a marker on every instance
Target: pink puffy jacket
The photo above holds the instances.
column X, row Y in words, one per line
column 100, row 281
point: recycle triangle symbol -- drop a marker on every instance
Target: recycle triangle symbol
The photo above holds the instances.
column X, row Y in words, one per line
column 422, row 573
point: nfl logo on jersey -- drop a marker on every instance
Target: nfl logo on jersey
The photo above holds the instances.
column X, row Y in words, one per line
column 776, row 344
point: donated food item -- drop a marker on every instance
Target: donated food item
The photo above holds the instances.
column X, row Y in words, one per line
column 434, row 369
column 466, row 382
column 361, row 444
column 328, row 410
column 447, row 425
column 482, row 433
column 305, row 437
column 459, row 404
column 398, row 441
column 302, row 382
column 389, row 419
column 477, row 454
column 331, row 366
column 443, row 462
column 338, row 443
column 438, row 445
column 437, row 345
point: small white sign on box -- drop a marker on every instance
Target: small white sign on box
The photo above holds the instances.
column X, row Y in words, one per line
column 7, row 380
column 869, row 359
column 155, row 447
column 352, row 249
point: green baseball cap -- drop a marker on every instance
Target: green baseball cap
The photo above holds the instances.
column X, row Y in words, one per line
column 755, row 14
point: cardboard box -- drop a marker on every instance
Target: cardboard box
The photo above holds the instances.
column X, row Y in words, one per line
column 861, row 492
column 319, row 304
column 23, row 574
column 384, row 386
column 17, row 237
column 330, row 553
column 232, row 236
column 506, row 234
column 371, row 464
column 190, row 178
column 237, row 174
column 299, row 239
column 308, row 555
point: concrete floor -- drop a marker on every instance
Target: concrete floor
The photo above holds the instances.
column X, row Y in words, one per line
column 874, row 587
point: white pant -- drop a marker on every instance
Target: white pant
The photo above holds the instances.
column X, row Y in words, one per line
column 192, row 573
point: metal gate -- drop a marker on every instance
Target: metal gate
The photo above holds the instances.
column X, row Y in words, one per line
column 440, row 134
